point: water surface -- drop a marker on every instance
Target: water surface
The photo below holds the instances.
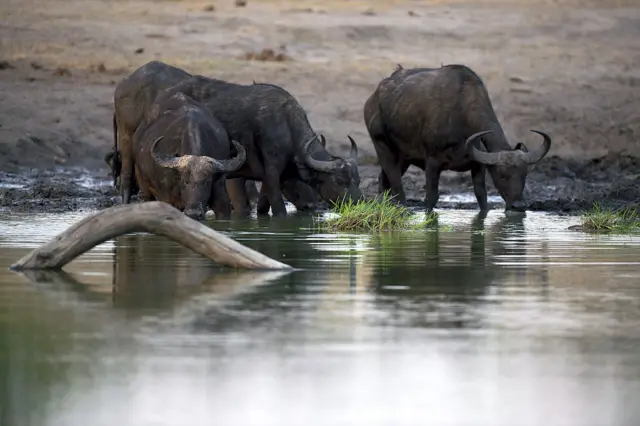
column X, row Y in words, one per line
column 496, row 321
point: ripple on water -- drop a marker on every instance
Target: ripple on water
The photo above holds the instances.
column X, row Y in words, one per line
column 434, row 318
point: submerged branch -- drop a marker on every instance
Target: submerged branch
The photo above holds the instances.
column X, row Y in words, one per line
column 154, row 217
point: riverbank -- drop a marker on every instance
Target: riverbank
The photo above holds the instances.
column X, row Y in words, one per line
column 554, row 185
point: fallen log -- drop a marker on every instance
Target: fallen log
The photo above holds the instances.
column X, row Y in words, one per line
column 154, row 217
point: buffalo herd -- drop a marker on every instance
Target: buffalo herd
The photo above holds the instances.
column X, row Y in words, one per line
column 197, row 142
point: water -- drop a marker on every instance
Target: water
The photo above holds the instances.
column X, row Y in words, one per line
column 501, row 321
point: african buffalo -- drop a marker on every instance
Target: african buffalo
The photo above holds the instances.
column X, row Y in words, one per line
column 287, row 147
column 433, row 118
column 132, row 97
column 296, row 191
column 188, row 169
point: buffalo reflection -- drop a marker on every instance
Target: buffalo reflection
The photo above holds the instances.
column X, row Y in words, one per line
column 440, row 278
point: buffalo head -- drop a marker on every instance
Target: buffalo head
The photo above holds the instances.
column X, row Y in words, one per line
column 509, row 168
column 337, row 178
column 197, row 175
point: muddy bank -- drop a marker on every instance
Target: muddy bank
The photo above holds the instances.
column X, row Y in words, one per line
column 554, row 185
column 56, row 190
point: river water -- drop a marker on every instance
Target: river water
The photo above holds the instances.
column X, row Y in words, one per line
column 495, row 321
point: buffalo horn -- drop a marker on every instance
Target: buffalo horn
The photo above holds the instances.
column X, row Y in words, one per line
column 163, row 161
column 320, row 166
column 232, row 164
column 538, row 154
column 354, row 149
column 489, row 158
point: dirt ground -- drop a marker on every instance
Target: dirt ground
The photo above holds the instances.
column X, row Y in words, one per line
column 566, row 67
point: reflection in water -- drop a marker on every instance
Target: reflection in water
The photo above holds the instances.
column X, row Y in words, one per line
column 482, row 321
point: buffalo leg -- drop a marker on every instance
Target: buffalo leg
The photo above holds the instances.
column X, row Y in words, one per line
column 126, row 176
column 143, row 192
column 274, row 164
column 383, row 180
column 479, row 186
column 219, row 201
column 271, row 185
column 432, row 174
column 263, row 204
column 237, row 192
column 145, row 196
column 299, row 194
column 252, row 191
column 391, row 169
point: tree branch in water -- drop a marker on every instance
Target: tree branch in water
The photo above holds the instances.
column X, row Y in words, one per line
column 154, row 217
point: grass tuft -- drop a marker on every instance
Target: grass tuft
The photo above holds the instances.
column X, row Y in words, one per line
column 606, row 220
column 380, row 214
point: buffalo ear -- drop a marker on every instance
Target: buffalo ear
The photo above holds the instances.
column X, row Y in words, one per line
column 522, row 147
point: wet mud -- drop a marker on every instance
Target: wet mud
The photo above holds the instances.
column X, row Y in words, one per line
column 554, row 185
column 56, row 190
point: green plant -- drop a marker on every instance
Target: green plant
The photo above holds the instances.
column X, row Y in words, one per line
column 606, row 220
column 380, row 214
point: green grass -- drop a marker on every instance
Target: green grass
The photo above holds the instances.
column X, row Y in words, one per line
column 599, row 220
column 380, row 214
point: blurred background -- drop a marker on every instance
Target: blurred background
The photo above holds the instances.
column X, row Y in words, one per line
column 566, row 66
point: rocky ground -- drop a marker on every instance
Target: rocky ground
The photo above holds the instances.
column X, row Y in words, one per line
column 566, row 67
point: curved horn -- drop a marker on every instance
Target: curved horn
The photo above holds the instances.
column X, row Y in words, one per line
column 232, row 164
column 161, row 160
column 489, row 158
column 538, row 154
column 320, row 166
column 354, row 149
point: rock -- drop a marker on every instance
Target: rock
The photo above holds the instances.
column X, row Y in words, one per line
column 267, row 55
column 98, row 68
column 61, row 72
column 6, row 65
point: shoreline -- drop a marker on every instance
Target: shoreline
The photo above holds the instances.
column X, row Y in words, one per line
column 555, row 185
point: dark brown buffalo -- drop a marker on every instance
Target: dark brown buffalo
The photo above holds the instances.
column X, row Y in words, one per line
column 181, row 153
column 287, row 147
column 433, row 118
column 132, row 97
column 301, row 195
